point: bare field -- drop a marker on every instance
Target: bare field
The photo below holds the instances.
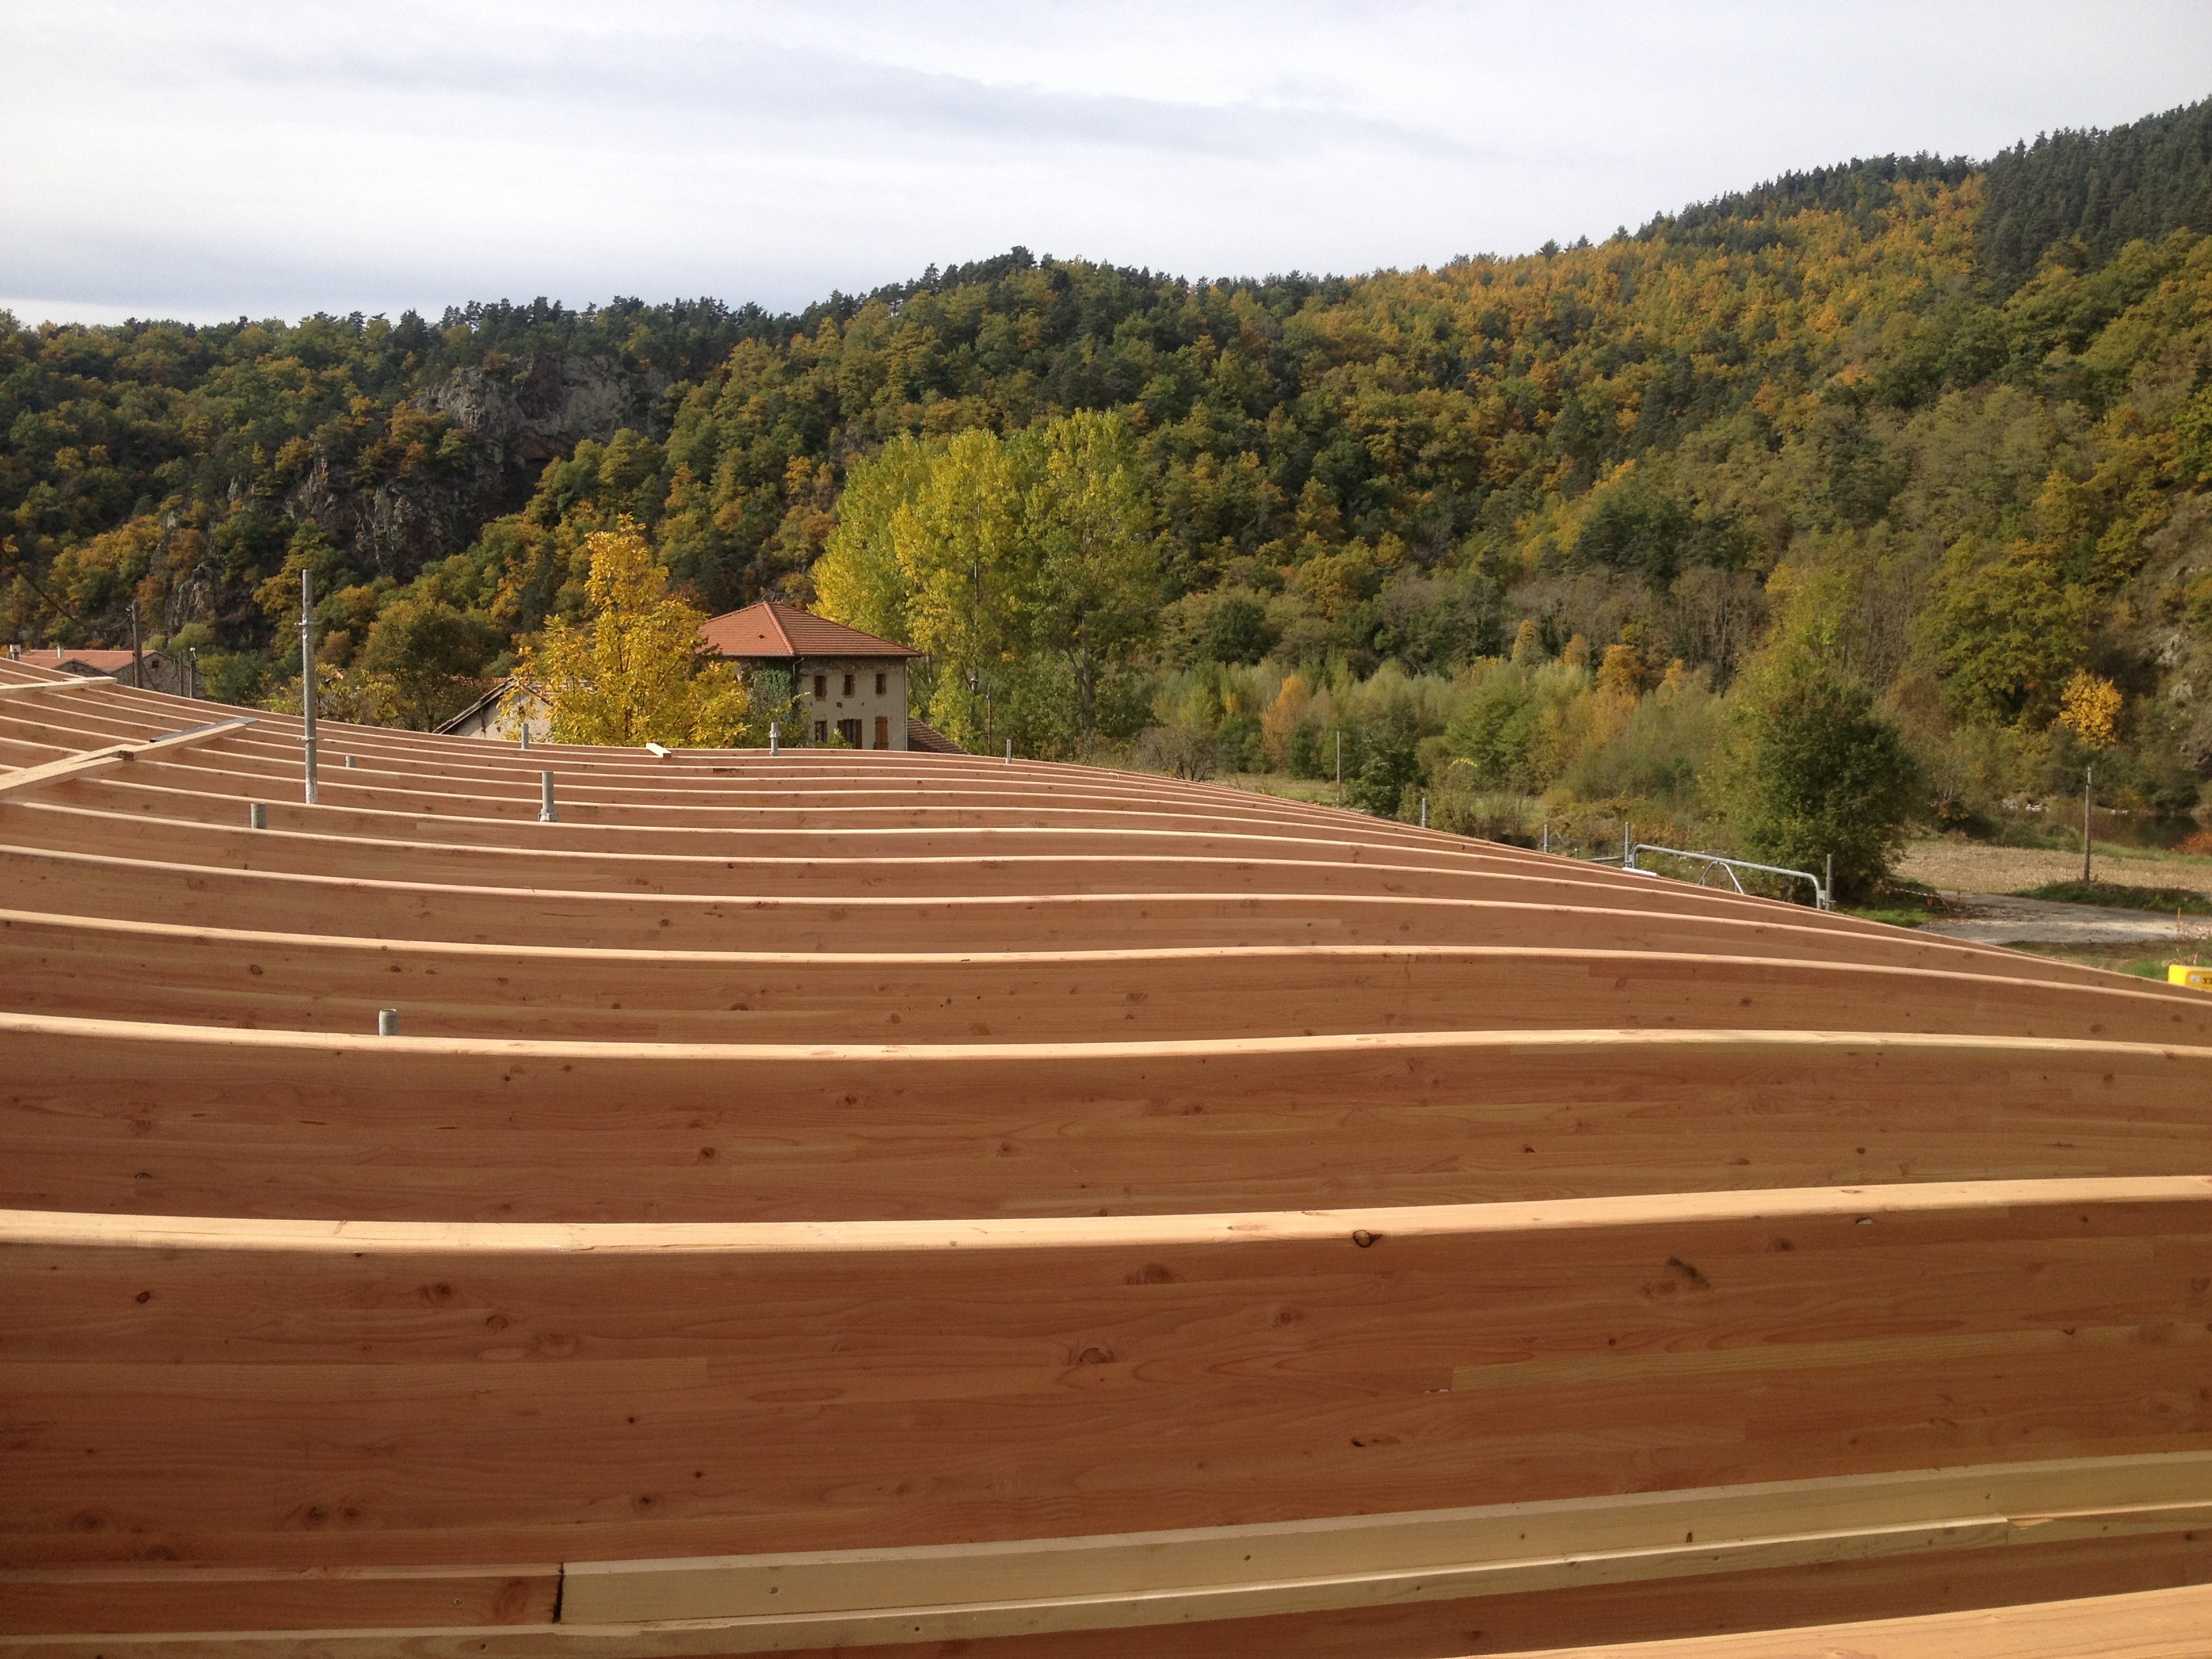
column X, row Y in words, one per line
column 1964, row 866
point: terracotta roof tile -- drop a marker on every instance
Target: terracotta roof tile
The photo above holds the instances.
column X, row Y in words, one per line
column 104, row 662
column 928, row 740
column 772, row 629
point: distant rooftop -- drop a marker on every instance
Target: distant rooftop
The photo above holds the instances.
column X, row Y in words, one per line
column 103, row 662
column 772, row 629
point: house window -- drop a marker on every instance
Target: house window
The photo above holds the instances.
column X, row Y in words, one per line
column 883, row 728
column 822, row 731
column 880, row 683
column 850, row 730
column 821, row 687
column 848, row 685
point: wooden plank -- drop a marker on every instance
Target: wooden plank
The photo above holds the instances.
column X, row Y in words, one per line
column 2168, row 1624
column 2153, row 1625
column 83, row 1601
column 1778, row 1599
column 76, row 682
column 30, row 777
column 1357, row 1548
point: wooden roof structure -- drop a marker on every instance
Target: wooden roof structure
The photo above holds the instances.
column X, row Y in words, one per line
column 902, row 1204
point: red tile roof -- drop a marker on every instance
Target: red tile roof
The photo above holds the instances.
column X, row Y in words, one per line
column 928, row 740
column 103, row 662
column 772, row 629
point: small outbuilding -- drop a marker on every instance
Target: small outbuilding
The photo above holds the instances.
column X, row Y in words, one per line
column 509, row 709
column 847, row 683
column 150, row 670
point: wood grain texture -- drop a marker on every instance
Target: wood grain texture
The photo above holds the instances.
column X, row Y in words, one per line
column 886, row 1383
column 2174, row 1624
column 852, row 1157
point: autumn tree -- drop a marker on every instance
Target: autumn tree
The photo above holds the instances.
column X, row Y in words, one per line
column 2089, row 708
column 631, row 671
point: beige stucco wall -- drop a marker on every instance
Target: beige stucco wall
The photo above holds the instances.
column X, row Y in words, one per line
column 863, row 703
column 506, row 718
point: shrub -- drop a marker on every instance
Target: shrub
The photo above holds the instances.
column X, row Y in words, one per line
column 1814, row 771
column 1181, row 751
column 1389, row 762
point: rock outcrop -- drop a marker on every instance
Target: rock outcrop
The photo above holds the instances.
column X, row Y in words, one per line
column 519, row 420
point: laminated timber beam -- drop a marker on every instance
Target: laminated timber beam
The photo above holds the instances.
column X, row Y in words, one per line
column 58, row 877
column 403, row 1381
column 100, row 1115
column 165, row 973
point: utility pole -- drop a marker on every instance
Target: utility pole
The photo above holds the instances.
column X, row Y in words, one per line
column 307, row 676
column 137, row 656
column 2088, row 785
column 1339, row 766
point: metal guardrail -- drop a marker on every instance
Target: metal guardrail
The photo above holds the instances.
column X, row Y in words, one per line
column 1823, row 898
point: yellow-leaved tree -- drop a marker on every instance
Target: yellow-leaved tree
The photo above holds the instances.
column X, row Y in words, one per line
column 631, row 671
column 2089, row 707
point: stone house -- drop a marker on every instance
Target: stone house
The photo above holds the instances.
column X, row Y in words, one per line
column 847, row 683
column 150, row 670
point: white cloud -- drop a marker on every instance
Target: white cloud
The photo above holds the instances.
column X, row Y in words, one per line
column 205, row 159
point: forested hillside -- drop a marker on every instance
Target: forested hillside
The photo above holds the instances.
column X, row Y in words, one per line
column 1942, row 428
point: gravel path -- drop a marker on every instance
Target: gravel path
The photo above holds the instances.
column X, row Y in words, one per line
column 1996, row 918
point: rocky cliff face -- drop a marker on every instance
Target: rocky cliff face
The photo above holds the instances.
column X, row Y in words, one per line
column 551, row 405
column 519, row 420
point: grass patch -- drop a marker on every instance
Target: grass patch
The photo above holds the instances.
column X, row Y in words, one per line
column 1901, row 902
column 2115, row 896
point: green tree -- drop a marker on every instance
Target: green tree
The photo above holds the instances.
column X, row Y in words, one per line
column 1390, row 772
column 430, row 657
column 2006, row 628
column 968, row 576
column 859, row 579
column 1814, row 771
column 1097, row 577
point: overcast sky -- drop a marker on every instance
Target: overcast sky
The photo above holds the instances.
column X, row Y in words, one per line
column 203, row 160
